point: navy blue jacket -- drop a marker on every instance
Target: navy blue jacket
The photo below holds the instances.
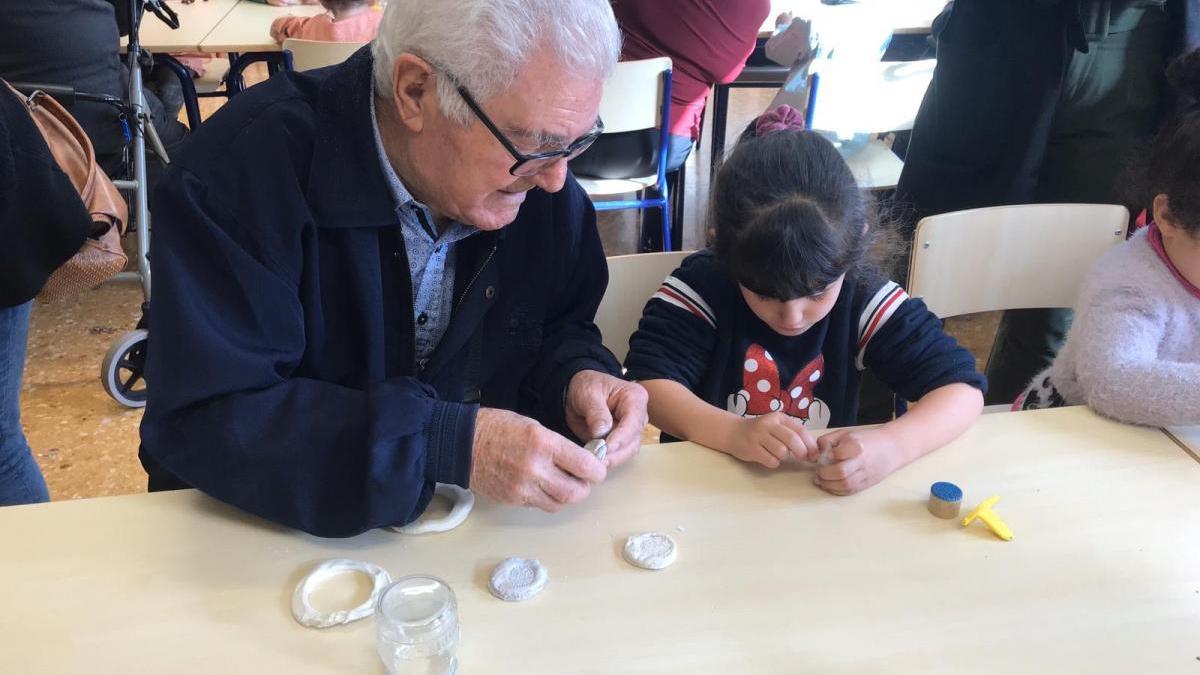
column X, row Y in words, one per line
column 281, row 369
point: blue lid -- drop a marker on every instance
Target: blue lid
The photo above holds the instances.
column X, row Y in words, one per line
column 947, row 492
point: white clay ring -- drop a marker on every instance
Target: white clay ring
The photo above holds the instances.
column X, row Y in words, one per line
column 598, row 447
column 303, row 610
column 463, row 501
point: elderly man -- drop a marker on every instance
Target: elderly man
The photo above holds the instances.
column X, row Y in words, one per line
column 372, row 278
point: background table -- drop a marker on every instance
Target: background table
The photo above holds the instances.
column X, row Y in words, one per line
column 196, row 21
column 773, row 575
column 905, row 16
column 247, row 28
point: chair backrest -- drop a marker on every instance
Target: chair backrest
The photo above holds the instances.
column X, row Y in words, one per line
column 633, row 96
column 1010, row 257
column 313, row 54
column 632, row 279
column 635, row 108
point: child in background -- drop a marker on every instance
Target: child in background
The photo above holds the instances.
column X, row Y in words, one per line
column 765, row 335
column 346, row 21
column 1133, row 353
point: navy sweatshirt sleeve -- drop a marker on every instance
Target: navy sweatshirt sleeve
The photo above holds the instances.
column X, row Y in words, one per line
column 677, row 335
column 571, row 341
column 226, row 414
column 906, row 347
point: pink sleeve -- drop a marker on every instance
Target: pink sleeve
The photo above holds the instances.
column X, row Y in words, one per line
column 361, row 28
column 195, row 62
column 284, row 26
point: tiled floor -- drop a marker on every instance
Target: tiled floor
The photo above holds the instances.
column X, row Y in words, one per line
column 87, row 444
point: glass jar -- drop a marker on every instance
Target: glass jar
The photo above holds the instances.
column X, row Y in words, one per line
column 416, row 624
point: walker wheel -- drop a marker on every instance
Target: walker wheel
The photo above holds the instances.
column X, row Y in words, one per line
column 123, row 372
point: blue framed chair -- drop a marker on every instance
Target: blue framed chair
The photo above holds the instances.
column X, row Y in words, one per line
column 225, row 85
column 190, row 100
column 631, row 156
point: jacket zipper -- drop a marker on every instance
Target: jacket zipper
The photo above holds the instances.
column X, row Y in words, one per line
column 462, row 298
column 421, row 363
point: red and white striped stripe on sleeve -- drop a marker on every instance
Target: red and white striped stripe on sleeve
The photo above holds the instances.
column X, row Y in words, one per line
column 675, row 292
column 882, row 306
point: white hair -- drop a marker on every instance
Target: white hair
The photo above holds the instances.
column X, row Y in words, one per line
column 484, row 44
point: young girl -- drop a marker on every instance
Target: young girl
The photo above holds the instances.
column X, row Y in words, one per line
column 765, row 335
column 346, row 21
column 1133, row 353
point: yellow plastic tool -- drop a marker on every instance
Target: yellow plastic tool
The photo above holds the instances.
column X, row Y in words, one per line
column 984, row 512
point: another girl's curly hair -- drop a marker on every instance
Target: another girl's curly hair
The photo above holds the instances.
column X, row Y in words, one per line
column 1171, row 164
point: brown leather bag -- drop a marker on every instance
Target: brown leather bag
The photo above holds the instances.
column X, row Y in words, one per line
column 101, row 257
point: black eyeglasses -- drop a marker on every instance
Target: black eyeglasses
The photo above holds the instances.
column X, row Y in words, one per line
column 528, row 165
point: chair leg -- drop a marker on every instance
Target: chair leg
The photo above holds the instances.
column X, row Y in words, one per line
column 677, row 203
column 647, row 228
column 651, row 232
column 190, row 99
column 651, row 223
column 668, row 244
column 720, row 111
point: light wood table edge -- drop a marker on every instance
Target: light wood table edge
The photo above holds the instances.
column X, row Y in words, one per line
column 1184, row 446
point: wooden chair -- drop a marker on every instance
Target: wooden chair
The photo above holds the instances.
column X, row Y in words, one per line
column 313, row 54
column 632, row 279
column 1010, row 257
column 635, row 109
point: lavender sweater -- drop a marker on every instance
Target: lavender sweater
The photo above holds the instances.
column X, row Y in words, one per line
column 1133, row 353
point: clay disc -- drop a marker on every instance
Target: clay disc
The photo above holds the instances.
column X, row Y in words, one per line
column 517, row 579
column 650, row 550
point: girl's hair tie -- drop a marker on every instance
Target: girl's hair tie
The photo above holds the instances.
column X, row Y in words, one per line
column 783, row 118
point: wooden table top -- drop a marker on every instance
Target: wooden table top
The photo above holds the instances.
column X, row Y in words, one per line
column 773, row 575
column 247, row 28
column 196, row 21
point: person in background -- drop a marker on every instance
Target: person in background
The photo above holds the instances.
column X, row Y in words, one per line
column 1133, row 353
column 708, row 42
column 76, row 43
column 765, row 335
column 43, row 223
column 345, row 21
column 1039, row 101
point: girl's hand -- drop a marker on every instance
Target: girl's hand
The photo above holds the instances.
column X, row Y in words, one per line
column 277, row 33
column 769, row 440
column 852, row 460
